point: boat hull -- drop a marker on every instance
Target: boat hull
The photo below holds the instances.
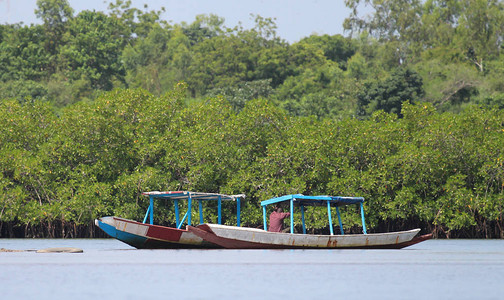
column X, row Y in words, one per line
column 147, row 236
column 232, row 237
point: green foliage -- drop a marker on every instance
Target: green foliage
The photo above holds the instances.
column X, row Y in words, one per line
column 454, row 47
column 218, row 62
column 92, row 49
column 21, row 56
column 135, row 21
column 336, row 47
column 481, row 27
column 442, row 169
column 238, row 96
column 55, row 15
column 449, row 86
column 388, row 95
column 23, row 90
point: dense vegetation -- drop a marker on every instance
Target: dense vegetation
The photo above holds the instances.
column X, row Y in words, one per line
column 406, row 112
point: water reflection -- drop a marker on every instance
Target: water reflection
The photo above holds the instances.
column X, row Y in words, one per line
column 435, row 269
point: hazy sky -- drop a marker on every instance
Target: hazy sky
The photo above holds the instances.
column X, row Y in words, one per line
column 295, row 18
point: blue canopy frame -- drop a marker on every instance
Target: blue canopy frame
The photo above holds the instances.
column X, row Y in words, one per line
column 176, row 196
column 329, row 201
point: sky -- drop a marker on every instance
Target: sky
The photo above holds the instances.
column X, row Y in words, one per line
column 295, row 19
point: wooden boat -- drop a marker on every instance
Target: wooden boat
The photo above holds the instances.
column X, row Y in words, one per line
column 233, row 237
column 143, row 235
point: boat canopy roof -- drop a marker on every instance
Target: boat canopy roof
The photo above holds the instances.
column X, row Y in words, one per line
column 184, row 195
column 321, row 200
column 191, row 197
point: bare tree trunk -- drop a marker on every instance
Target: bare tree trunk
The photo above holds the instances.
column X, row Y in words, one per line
column 10, row 229
column 62, row 229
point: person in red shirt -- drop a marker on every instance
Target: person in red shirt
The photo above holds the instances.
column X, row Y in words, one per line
column 276, row 219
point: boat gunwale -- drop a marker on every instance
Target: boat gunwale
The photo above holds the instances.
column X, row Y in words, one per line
column 417, row 230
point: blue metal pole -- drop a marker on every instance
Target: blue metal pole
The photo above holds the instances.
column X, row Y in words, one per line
column 146, row 214
column 339, row 220
column 200, row 211
column 303, row 219
column 183, row 219
column 330, row 217
column 363, row 220
column 264, row 218
column 219, row 210
column 238, row 212
column 151, row 210
column 292, row 214
column 189, row 206
column 177, row 216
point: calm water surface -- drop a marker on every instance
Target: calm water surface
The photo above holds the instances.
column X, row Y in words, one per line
column 435, row 269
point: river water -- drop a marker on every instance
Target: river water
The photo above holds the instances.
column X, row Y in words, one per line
column 109, row 269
